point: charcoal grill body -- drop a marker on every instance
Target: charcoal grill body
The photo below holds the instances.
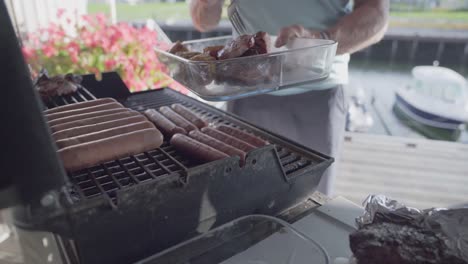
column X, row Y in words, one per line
column 125, row 210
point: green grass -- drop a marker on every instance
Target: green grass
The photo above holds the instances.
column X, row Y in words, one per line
column 444, row 15
column 179, row 11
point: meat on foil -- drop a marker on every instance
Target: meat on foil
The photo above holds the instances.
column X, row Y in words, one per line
column 389, row 243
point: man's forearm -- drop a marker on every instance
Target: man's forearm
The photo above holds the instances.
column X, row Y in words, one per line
column 206, row 14
column 365, row 26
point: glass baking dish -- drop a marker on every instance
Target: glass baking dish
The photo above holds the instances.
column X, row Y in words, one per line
column 252, row 239
column 309, row 61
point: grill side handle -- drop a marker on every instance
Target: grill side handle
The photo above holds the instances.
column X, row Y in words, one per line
column 31, row 172
column 99, row 87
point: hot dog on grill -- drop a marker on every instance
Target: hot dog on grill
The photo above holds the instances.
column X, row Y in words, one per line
column 92, row 153
column 166, row 126
column 68, row 119
column 221, row 136
column 84, row 110
column 189, row 115
column 81, row 130
column 107, row 133
column 247, row 137
column 79, row 105
column 219, row 145
column 177, row 119
column 196, row 150
column 94, row 120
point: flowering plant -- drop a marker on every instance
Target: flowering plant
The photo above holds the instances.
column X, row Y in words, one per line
column 92, row 45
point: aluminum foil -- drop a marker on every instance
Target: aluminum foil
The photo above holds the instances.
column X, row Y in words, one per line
column 451, row 224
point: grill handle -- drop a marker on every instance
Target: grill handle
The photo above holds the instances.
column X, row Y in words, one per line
column 31, row 173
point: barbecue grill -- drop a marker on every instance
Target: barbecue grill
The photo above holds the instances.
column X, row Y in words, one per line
column 159, row 198
column 127, row 209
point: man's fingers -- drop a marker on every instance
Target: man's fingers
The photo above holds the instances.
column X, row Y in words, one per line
column 288, row 33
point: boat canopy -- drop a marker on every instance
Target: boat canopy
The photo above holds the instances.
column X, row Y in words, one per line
column 440, row 83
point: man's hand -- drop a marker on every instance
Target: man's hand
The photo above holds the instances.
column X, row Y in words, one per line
column 206, row 14
column 365, row 26
column 286, row 34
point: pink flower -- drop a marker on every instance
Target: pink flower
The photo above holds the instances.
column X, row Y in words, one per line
column 97, row 47
column 101, row 19
column 73, row 50
column 60, row 12
column 28, row 53
column 49, row 51
column 87, row 18
column 110, row 64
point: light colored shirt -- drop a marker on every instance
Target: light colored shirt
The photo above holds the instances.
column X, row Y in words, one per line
column 272, row 15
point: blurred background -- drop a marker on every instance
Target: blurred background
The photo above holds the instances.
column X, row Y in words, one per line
column 387, row 148
column 422, row 32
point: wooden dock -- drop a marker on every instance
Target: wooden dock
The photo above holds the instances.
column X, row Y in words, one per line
column 419, row 172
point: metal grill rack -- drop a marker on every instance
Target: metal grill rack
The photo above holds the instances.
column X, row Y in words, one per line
column 105, row 179
column 162, row 194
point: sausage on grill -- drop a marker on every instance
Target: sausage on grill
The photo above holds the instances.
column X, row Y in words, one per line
column 196, row 150
column 94, row 120
column 79, row 105
column 92, row 153
column 84, row 110
column 177, row 119
column 166, row 126
column 103, row 134
column 247, row 137
column 68, row 119
column 244, row 146
column 189, row 115
column 216, row 144
column 82, row 130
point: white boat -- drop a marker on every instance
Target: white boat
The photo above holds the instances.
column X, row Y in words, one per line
column 435, row 102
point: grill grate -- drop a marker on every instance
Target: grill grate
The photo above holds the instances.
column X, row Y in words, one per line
column 292, row 162
column 111, row 176
column 81, row 95
column 106, row 179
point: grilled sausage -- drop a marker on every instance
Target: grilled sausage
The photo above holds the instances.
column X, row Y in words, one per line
column 166, row 126
column 92, row 153
column 247, row 137
column 68, row 119
column 216, row 144
column 195, row 149
column 79, row 105
column 189, row 115
column 244, row 146
column 82, row 130
column 94, row 120
column 63, row 143
column 84, row 110
column 177, row 119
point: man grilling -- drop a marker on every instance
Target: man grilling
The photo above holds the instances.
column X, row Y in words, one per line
column 313, row 115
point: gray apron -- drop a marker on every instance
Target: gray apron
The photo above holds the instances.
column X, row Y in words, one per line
column 315, row 118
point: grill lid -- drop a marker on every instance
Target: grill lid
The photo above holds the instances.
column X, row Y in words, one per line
column 31, row 172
